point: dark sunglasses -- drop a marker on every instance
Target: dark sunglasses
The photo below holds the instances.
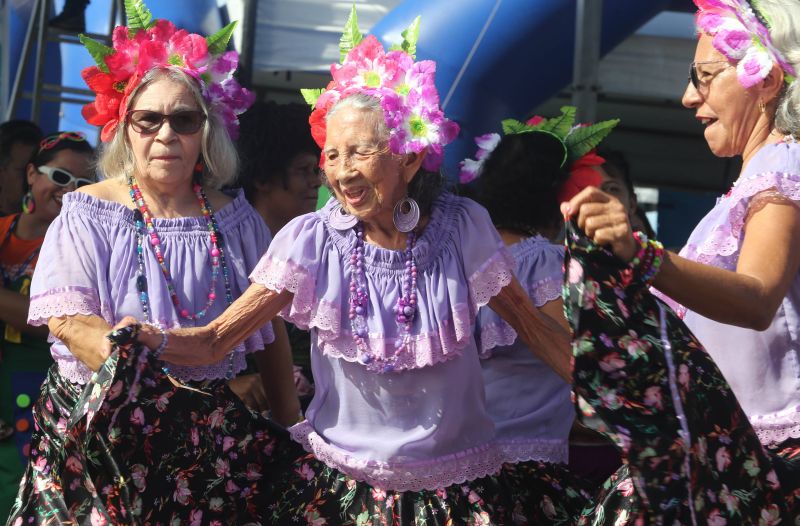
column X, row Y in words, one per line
column 181, row 122
column 61, row 177
column 694, row 78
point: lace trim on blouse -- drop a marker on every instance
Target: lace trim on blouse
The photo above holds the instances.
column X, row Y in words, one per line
column 429, row 474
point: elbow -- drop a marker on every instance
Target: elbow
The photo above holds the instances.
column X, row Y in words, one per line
column 760, row 317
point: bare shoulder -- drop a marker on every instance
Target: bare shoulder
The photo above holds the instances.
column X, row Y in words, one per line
column 217, row 199
column 108, row 190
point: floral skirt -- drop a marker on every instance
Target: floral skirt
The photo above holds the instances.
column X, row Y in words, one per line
column 693, row 457
column 535, row 493
column 132, row 448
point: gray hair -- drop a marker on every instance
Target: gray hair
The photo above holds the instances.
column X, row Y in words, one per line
column 784, row 20
column 426, row 186
column 220, row 157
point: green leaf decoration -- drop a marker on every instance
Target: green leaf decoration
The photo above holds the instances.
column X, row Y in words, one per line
column 97, row 50
column 562, row 124
column 218, row 42
column 410, row 37
column 512, row 126
column 139, row 17
column 311, row 95
column 351, row 35
column 583, row 140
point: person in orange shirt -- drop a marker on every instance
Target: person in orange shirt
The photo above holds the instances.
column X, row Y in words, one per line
column 61, row 164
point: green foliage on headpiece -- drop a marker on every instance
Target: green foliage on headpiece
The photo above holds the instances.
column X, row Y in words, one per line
column 139, row 17
column 218, row 42
column 410, row 37
column 584, row 139
column 97, row 50
column 351, row 35
column 577, row 140
column 311, row 95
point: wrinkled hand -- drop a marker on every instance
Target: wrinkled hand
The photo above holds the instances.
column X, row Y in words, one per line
column 604, row 220
column 250, row 389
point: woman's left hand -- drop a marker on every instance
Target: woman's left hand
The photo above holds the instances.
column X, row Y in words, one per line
column 250, row 389
column 604, row 220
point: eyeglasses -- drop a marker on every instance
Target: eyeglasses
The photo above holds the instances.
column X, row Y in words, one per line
column 181, row 122
column 61, row 177
column 694, row 78
column 51, row 141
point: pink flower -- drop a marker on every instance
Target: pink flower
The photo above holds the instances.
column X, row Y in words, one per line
column 196, row 517
column 222, row 468
column 715, row 519
column 97, row 518
column 626, row 487
column 611, row 362
column 575, row 272
column 228, row 442
column 653, row 397
column 683, row 375
column 216, row 418
column 182, row 492
column 253, row 472
column 535, row 120
column 471, row 169
column 733, row 43
column 378, row 494
column 137, row 418
column 754, row 67
column 723, row 458
column 139, row 476
column 306, row 472
column 547, row 506
column 231, row 487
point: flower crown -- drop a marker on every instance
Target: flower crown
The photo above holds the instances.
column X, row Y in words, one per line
column 405, row 89
column 146, row 44
column 578, row 140
column 741, row 33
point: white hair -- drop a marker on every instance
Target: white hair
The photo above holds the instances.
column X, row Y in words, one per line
column 219, row 153
column 784, row 20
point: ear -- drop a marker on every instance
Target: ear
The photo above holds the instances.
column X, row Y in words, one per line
column 772, row 84
column 411, row 164
column 30, row 173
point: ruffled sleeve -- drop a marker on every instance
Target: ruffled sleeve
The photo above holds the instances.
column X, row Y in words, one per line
column 293, row 263
column 487, row 262
column 73, row 259
column 539, row 269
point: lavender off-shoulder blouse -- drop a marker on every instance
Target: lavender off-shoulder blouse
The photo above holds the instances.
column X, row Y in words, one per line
column 88, row 265
column 530, row 404
column 424, row 425
column 762, row 367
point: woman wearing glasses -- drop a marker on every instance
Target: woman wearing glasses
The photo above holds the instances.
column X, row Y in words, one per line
column 736, row 283
column 151, row 441
column 61, row 164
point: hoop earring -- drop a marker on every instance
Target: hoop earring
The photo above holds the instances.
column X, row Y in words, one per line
column 406, row 221
column 761, row 106
column 28, row 204
column 340, row 219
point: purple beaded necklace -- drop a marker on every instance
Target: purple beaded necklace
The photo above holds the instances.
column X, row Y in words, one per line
column 405, row 308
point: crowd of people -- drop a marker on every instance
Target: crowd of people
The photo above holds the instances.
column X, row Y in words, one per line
column 199, row 344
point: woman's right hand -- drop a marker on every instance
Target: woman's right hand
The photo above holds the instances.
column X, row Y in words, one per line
column 604, row 220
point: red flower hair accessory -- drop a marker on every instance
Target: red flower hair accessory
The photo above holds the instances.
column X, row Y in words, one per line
column 405, row 89
column 145, row 44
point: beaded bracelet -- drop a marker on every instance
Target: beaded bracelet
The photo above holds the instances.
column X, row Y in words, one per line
column 648, row 259
column 163, row 344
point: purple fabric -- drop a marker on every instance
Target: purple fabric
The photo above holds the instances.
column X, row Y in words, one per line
column 529, row 403
column 762, row 367
column 423, row 426
column 88, row 265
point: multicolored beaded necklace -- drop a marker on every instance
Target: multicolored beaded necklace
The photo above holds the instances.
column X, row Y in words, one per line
column 405, row 308
column 145, row 228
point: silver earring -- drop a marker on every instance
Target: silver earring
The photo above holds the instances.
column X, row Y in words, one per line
column 340, row 219
column 406, row 214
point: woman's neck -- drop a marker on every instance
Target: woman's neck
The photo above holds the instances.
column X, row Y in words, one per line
column 169, row 200
column 32, row 226
column 764, row 133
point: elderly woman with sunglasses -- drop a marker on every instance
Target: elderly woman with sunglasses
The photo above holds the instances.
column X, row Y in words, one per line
column 61, row 164
column 737, row 281
column 156, row 241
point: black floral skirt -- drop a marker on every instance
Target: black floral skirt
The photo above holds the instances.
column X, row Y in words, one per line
column 132, row 448
column 693, row 457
